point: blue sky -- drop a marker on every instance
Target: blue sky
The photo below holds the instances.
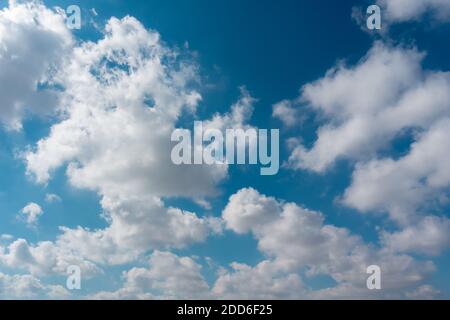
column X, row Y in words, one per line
column 364, row 179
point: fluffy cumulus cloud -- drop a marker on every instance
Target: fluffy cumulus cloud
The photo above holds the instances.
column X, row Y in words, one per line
column 122, row 98
column 408, row 189
column 247, row 209
column 137, row 226
column 52, row 198
column 29, row 287
column 401, row 186
column 169, row 276
column 117, row 92
column 264, row 281
column 166, row 277
column 364, row 109
column 286, row 113
column 424, row 292
column 117, row 103
column 406, row 10
column 34, row 41
column 43, row 259
column 237, row 118
column 298, row 243
column 31, row 213
column 430, row 236
column 366, row 106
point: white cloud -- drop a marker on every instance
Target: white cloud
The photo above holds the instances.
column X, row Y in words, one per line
column 294, row 235
column 19, row 286
column 51, row 198
column 57, row 292
column 137, row 226
column 108, row 84
column 32, row 212
column 264, row 281
column 123, row 96
column 28, row 287
column 6, row 237
column 366, row 106
column 34, row 40
column 240, row 114
column 44, row 258
column 286, row 113
column 297, row 245
column 297, row 241
column 407, row 184
column 405, row 10
column 429, row 236
column 247, row 209
column 167, row 277
column 425, row 292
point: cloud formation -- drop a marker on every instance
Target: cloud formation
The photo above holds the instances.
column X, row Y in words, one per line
column 118, row 100
column 298, row 242
column 107, row 140
column 166, row 277
column 34, row 42
column 368, row 105
column 365, row 109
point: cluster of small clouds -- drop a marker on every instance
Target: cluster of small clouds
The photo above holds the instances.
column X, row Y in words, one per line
column 105, row 138
column 297, row 244
column 297, row 241
column 167, row 276
column 31, row 213
column 29, row 287
column 365, row 108
column 43, row 259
